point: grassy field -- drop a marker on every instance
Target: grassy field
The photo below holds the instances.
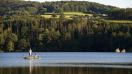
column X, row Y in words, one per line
column 74, row 13
column 68, row 15
column 49, row 16
column 120, row 21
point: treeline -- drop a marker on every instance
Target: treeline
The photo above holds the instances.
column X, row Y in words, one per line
column 121, row 14
column 19, row 7
column 19, row 33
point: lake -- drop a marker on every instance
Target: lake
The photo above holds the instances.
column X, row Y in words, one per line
column 67, row 63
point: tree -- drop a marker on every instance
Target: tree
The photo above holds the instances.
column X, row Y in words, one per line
column 62, row 16
column 54, row 15
column 10, row 41
column 54, row 34
column 42, row 10
column 12, row 37
column 18, row 12
column 24, row 31
column 10, row 46
column 23, row 44
column 67, row 36
column 11, row 0
column 31, row 10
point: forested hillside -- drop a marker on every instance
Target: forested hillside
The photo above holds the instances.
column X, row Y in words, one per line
column 96, row 28
column 19, row 7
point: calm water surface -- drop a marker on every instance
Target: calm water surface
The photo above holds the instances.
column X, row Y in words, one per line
column 67, row 63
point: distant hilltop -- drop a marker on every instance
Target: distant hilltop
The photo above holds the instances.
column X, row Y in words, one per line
column 12, row 7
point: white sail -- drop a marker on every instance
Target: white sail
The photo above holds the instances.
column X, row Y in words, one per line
column 123, row 51
column 30, row 52
column 117, row 50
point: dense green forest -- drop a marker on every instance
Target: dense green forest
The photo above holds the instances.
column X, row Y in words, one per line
column 22, row 26
column 19, row 7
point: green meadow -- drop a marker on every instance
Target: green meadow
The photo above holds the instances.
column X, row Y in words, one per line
column 68, row 15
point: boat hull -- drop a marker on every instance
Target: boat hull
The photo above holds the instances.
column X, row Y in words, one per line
column 31, row 57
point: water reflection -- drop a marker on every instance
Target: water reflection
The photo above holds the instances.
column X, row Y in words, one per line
column 64, row 70
column 30, row 66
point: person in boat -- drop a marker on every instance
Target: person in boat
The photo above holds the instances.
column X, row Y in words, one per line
column 30, row 52
column 36, row 55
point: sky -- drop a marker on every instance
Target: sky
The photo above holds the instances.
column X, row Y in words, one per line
column 117, row 3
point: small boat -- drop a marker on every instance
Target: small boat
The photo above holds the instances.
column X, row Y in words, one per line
column 123, row 51
column 31, row 57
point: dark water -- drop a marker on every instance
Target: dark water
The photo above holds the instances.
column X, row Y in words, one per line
column 67, row 63
column 64, row 70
